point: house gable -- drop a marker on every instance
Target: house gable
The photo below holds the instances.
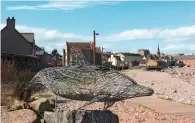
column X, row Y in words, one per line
column 82, row 45
column 12, row 42
column 86, row 48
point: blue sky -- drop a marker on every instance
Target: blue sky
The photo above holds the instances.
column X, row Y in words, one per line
column 123, row 26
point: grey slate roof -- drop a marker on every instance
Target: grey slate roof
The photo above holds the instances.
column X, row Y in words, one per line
column 28, row 36
column 131, row 54
column 133, row 58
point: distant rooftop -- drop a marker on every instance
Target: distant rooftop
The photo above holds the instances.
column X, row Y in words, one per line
column 130, row 54
column 185, row 57
column 82, row 45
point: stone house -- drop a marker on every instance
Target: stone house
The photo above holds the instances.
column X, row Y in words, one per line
column 188, row 60
column 144, row 52
column 151, row 62
column 105, row 56
column 133, row 59
column 86, row 48
column 116, row 61
column 56, row 58
column 44, row 57
column 156, row 63
column 13, row 42
column 21, row 44
column 130, row 59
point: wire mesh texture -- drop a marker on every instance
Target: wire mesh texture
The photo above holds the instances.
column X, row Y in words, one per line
column 82, row 81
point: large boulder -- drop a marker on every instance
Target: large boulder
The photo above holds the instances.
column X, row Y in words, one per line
column 41, row 106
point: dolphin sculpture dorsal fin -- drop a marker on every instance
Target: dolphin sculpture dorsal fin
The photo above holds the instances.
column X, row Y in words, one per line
column 78, row 57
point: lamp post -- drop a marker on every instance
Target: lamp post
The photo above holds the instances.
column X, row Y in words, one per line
column 110, row 60
column 102, row 57
column 94, row 46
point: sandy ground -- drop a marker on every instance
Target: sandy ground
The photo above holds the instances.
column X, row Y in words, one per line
column 134, row 113
column 131, row 113
column 179, row 88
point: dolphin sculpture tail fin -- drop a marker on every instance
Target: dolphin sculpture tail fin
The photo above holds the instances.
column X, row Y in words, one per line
column 78, row 57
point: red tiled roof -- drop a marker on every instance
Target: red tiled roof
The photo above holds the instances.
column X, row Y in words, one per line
column 28, row 36
column 82, row 45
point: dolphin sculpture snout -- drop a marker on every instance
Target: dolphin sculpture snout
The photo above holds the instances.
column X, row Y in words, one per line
column 147, row 91
column 139, row 91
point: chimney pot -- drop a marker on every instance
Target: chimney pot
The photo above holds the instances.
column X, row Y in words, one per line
column 11, row 23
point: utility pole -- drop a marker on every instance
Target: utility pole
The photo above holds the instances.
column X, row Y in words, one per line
column 110, row 60
column 102, row 57
column 94, row 46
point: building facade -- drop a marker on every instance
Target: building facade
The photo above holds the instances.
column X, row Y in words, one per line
column 22, row 46
column 188, row 60
column 86, row 48
column 13, row 42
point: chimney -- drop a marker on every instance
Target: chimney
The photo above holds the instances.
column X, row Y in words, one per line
column 11, row 23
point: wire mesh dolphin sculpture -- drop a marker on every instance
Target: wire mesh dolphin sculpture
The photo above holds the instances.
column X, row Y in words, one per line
column 82, row 81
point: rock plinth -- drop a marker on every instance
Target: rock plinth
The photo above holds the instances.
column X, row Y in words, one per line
column 81, row 116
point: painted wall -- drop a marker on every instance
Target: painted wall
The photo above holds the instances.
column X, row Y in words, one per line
column 113, row 60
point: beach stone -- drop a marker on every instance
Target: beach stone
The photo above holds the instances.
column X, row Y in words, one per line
column 19, row 116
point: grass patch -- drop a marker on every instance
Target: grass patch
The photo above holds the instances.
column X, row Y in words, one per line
column 169, row 98
column 166, row 98
column 129, row 73
column 42, row 95
column 142, row 106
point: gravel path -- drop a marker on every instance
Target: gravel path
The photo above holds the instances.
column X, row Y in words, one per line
column 170, row 87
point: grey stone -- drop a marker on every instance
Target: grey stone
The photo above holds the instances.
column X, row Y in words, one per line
column 57, row 117
column 81, row 116
column 41, row 106
column 98, row 116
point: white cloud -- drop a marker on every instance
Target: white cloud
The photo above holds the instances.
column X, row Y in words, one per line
column 179, row 47
column 2, row 26
column 61, row 5
column 135, row 34
column 182, row 33
column 177, row 34
column 55, row 39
